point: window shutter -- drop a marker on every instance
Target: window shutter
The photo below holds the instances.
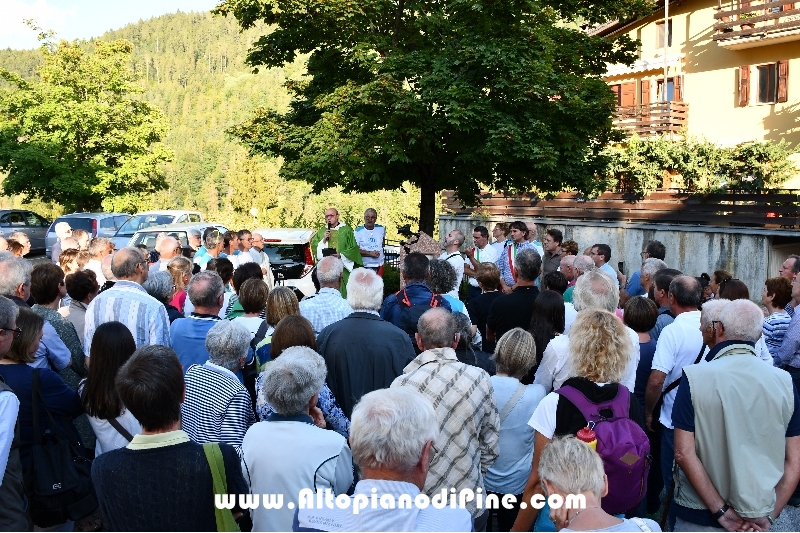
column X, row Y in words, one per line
column 783, row 80
column 788, row 7
column 744, row 85
column 678, row 89
column 629, row 94
column 645, row 92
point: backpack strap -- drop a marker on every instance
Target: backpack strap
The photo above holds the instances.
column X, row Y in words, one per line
column 641, row 524
column 512, row 402
column 121, row 430
column 260, row 335
column 224, row 517
column 672, row 386
column 619, row 405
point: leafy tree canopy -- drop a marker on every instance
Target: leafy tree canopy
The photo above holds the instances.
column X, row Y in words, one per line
column 446, row 94
column 78, row 134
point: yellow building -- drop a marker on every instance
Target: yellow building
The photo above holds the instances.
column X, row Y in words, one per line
column 733, row 72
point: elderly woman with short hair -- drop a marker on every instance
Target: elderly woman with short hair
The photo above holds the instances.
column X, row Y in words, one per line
column 161, row 286
column 571, row 467
column 514, row 356
column 600, row 356
column 217, row 407
column 302, row 455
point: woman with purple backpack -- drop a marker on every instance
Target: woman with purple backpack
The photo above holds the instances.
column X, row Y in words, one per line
column 593, row 406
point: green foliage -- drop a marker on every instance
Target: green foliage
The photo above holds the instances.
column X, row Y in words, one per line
column 698, row 165
column 391, row 280
column 77, row 134
column 446, row 95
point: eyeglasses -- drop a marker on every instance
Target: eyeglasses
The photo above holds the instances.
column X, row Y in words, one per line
column 16, row 331
column 714, row 324
column 644, row 255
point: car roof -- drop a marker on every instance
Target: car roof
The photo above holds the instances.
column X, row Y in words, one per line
column 287, row 235
column 93, row 215
column 167, row 212
column 181, row 226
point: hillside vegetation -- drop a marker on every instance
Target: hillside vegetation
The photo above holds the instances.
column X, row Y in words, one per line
column 191, row 66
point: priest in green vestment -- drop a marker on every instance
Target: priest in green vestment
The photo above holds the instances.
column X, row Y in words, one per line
column 338, row 236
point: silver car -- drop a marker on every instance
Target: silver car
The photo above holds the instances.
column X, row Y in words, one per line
column 33, row 225
column 146, row 219
column 290, row 257
column 149, row 235
column 95, row 224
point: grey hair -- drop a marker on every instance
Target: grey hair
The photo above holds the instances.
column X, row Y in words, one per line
column 293, row 379
column 124, row 262
column 436, row 328
column 742, row 320
column 169, row 239
column 195, row 233
column 595, row 290
column 17, row 235
column 711, row 311
column 365, row 290
column 443, row 277
column 528, row 264
column 205, row 288
column 329, row 270
column 686, row 291
column 14, row 271
column 568, row 260
column 160, row 285
column 371, row 210
column 8, row 313
column 460, row 237
column 70, row 243
column 652, row 265
column 213, row 238
column 390, row 428
column 584, row 263
column 98, row 245
column 227, row 342
column 105, row 267
column 572, row 466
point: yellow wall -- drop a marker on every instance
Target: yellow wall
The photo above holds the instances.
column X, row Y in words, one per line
column 710, row 78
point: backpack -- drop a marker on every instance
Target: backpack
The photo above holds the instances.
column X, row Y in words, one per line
column 621, row 443
column 251, row 369
column 410, row 313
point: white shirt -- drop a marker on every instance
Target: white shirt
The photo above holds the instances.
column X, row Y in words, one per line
column 608, row 269
column 499, row 245
column 489, row 254
column 455, row 259
column 555, row 367
column 678, row 346
column 371, row 240
column 543, row 418
column 569, row 316
column 9, row 409
column 96, row 266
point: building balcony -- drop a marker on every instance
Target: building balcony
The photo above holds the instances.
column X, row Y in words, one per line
column 741, row 24
column 657, row 118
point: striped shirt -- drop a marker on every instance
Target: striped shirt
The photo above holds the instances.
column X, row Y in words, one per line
column 506, row 269
column 129, row 303
column 217, row 407
column 774, row 329
column 324, row 308
column 463, row 398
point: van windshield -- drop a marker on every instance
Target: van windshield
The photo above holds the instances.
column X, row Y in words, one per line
column 137, row 222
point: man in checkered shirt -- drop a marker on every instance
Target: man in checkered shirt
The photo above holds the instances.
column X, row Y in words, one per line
column 463, row 398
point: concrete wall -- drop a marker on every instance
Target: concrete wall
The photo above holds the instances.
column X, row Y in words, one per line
column 751, row 254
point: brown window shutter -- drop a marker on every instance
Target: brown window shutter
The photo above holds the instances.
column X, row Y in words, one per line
column 629, row 94
column 617, row 90
column 744, row 85
column 788, row 7
column 678, row 91
column 783, row 81
column 645, row 92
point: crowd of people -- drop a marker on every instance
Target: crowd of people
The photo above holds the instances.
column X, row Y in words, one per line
column 143, row 384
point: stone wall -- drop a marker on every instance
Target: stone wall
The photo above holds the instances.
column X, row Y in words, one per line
column 751, row 254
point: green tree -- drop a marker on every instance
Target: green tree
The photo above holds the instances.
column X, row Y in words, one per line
column 449, row 94
column 79, row 134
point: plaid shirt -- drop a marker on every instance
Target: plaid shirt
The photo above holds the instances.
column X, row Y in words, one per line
column 468, row 441
column 502, row 261
column 324, row 308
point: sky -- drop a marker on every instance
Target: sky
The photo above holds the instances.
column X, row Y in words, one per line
column 81, row 19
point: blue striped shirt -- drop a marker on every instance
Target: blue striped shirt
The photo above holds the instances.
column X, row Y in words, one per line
column 502, row 261
column 789, row 352
column 129, row 303
column 774, row 329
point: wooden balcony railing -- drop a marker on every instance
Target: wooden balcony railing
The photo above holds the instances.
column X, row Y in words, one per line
column 652, row 119
column 767, row 19
column 672, row 206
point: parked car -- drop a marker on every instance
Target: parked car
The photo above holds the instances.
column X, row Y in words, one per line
column 33, row 225
column 290, row 257
column 149, row 235
column 146, row 219
column 96, row 224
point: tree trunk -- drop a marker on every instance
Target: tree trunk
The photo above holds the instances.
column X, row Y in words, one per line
column 427, row 201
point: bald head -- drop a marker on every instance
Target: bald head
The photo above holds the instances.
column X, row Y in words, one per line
column 168, row 247
column 329, row 272
column 128, row 264
column 436, row 329
column 105, row 267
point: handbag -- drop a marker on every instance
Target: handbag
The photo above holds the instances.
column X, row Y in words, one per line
column 225, row 520
column 59, row 476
